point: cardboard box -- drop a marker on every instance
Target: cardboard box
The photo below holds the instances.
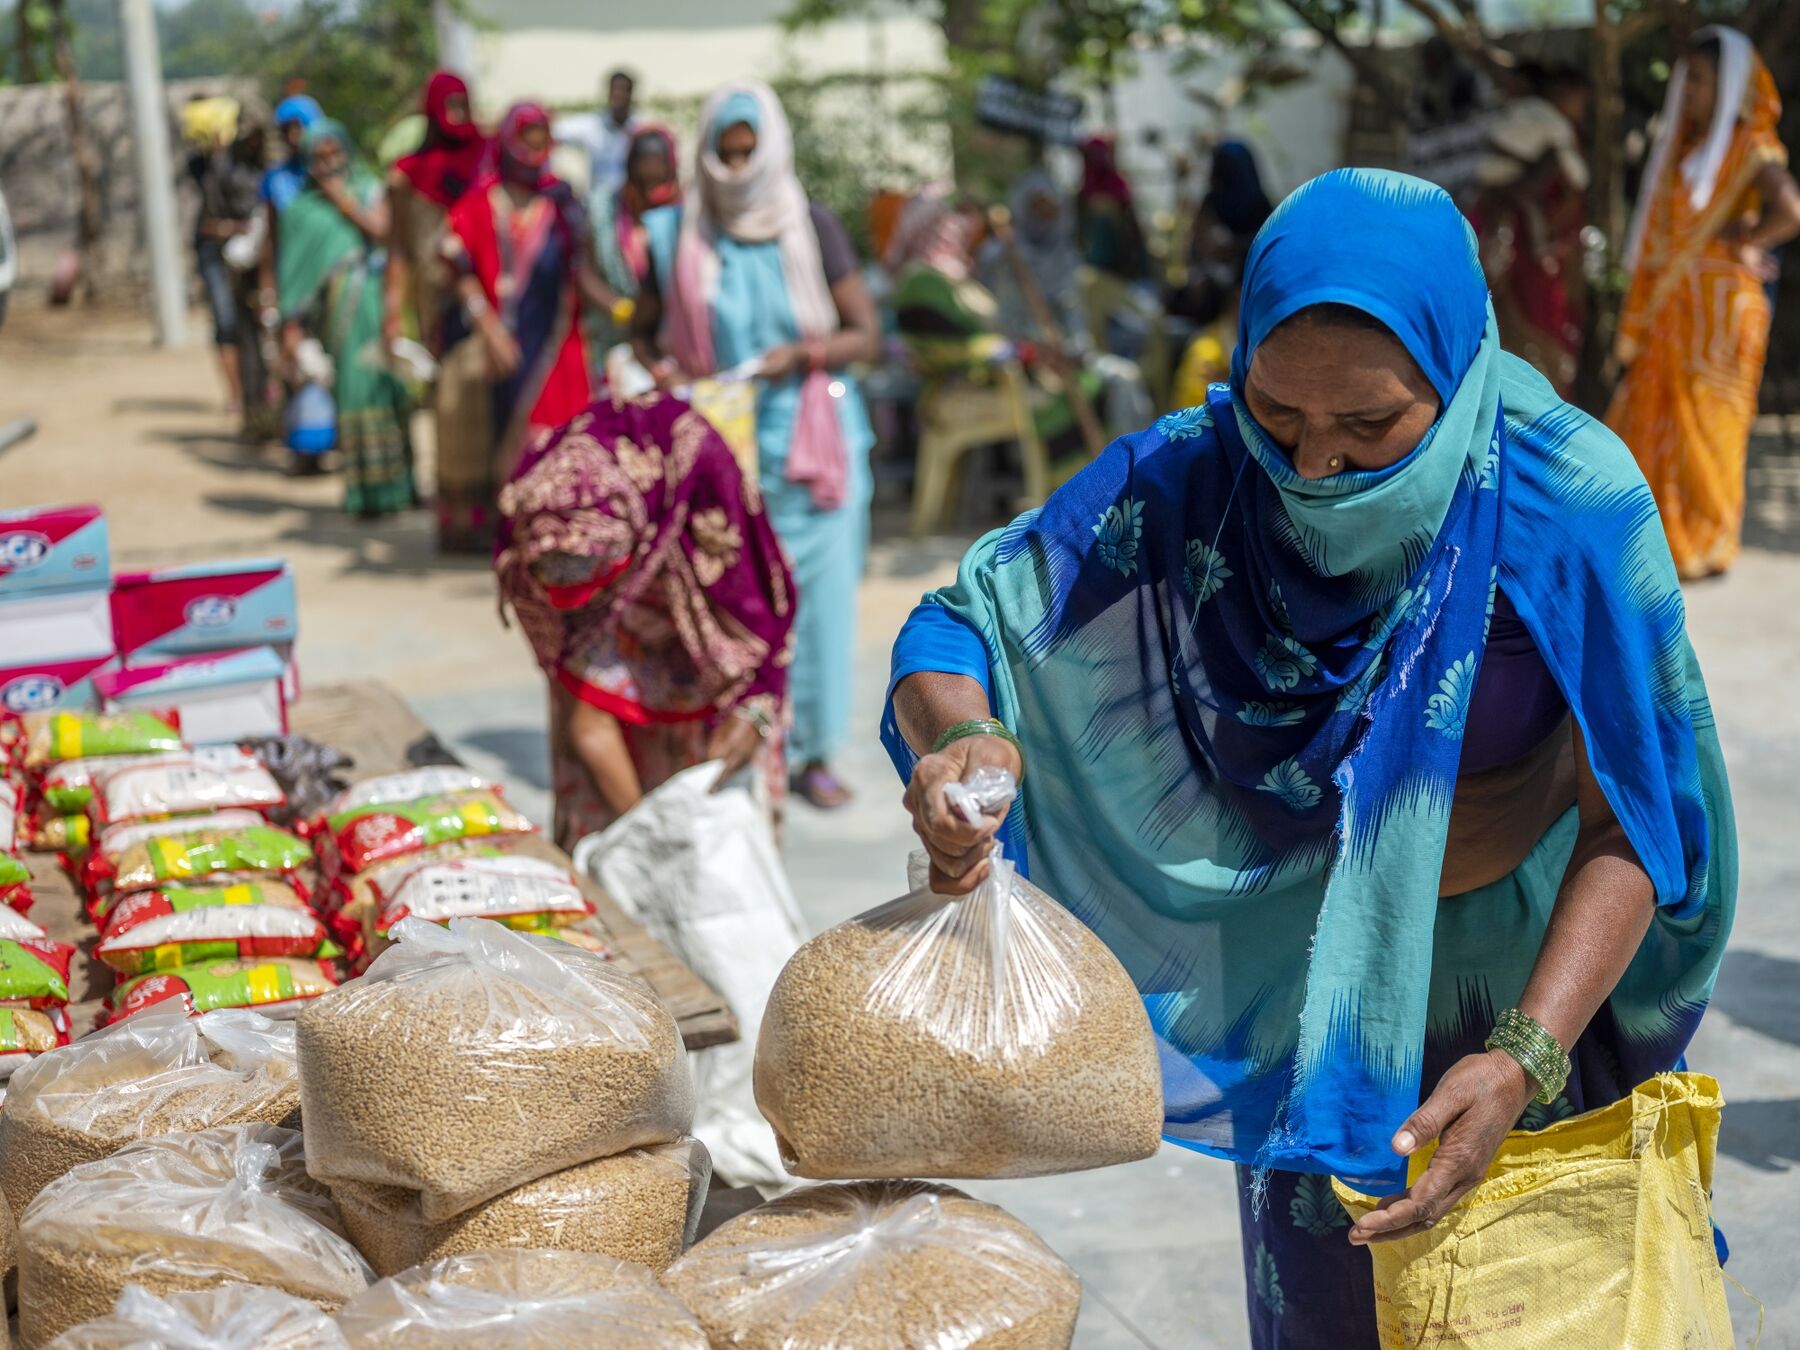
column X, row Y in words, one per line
column 38, row 626
column 40, row 686
column 48, row 548
column 218, row 696
column 206, row 607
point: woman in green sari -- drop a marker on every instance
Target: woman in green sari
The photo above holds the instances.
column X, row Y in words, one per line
column 329, row 277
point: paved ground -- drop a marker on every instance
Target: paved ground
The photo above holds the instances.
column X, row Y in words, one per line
column 1156, row 1242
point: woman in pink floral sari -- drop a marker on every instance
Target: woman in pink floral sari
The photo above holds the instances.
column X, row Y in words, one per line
column 656, row 599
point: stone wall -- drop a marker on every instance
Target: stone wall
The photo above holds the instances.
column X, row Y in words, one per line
column 37, row 173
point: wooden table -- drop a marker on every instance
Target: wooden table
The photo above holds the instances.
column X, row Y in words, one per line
column 370, row 721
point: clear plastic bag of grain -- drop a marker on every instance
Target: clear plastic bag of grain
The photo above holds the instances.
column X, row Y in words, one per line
column 878, row 1265
column 181, row 1212
column 525, row 1300
column 230, row 1317
column 989, row 1036
column 473, row 1059
column 641, row 1205
column 158, row 1073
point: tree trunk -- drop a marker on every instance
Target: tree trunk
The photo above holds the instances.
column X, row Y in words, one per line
column 24, row 43
column 1606, row 206
column 81, row 148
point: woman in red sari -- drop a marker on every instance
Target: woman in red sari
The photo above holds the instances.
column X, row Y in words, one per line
column 521, row 252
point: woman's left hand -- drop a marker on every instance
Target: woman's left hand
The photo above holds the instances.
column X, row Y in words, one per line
column 736, row 741
column 780, row 362
column 1470, row 1111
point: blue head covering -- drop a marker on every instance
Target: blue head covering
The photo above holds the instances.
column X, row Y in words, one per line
column 1243, row 696
column 1392, row 246
column 298, row 108
column 738, row 107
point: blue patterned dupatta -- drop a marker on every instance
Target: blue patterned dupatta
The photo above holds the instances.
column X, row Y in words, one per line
column 1242, row 697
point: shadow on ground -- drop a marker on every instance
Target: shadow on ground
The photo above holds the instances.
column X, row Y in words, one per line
column 1762, row 993
column 521, row 749
column 1763, row 1135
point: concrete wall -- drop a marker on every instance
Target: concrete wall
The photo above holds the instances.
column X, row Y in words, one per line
column 37, row 173
column 559, row 52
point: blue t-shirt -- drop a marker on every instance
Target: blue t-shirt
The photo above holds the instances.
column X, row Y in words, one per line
column 283, row 183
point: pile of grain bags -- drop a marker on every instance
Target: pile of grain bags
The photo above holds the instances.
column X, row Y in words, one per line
column 182, row 1212
column 230, row 1317
column 159, row 1073
column 990, row 1036
column 879, row 1265
column 526, row 1300
column 480, row 1086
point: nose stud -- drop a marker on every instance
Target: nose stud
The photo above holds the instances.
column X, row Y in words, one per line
column 1334, row 463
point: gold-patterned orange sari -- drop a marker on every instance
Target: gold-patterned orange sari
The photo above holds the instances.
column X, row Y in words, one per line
column 1695, row 331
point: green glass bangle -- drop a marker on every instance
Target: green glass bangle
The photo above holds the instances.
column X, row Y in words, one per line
column 980, row 726
column 1535, row 1049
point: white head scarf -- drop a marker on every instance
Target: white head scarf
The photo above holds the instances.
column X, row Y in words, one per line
column 1700, row 168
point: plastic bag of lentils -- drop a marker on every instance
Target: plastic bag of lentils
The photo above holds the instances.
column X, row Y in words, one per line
column 181, row 1212
column 231, row 1317
column 158, row 1073
column 474, row 1059
column 879, row 1265
column 641, row 1205
column 989, row 1036
column 528, row 1300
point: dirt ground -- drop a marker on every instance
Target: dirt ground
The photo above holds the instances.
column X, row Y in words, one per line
column 141, row 431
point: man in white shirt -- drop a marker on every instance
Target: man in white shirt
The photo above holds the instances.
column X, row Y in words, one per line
column 605, row 135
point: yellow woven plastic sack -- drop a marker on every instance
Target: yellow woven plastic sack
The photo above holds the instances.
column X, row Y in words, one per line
column 730, row 405
column 1594, row 1232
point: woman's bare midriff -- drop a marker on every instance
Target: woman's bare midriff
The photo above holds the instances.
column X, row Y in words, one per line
column 1498, row 815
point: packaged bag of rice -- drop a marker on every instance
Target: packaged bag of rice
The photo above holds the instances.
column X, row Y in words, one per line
column 206, row 852
column 183, row 784
column 879, row 1265
column 181, row 1212
column 409, row 785
column 230, row 1317
column 965, row 1037
column 498, row 1028
column 51, row 737
column 530, row 894
column 15, row 883
column 34, row 972
column 16, row 926
column 67, row 789
column 26, row 1033
column 640, row 1205
column 526, row 1300
column 12, row 812
column 274, row 984
column 366, row 835
column 57, row 834
column 181, row 926
column 116, row 841
column 157, row 1074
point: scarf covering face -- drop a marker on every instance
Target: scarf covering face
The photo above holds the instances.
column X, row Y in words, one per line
column 1101, row 179
column 930, row 232
column 1235, row 193
column 516, row 161
column 759, row 201
column 447, row 164
column 1242, row 696
column 652, row 501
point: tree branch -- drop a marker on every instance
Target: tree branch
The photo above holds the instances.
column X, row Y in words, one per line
column 1468, row 37
column 1367, row 70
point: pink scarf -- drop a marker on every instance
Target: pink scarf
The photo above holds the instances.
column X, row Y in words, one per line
column 758, row 201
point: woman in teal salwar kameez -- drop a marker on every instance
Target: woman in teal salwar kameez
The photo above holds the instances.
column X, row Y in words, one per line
column 745, row 270
column 1357, row 714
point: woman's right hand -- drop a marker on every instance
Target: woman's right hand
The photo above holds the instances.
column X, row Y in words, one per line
column 504, row 357
column 958, row 850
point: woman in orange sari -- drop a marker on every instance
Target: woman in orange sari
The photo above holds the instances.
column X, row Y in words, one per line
column 1695, row 328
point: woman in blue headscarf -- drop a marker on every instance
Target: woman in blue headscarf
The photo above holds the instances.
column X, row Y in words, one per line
column 1359, row 717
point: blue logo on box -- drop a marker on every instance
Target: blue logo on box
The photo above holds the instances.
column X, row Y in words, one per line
column 23, row 549
column 31, row 693
column 210, row 611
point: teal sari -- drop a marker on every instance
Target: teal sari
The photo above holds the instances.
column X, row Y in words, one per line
column 329, row 278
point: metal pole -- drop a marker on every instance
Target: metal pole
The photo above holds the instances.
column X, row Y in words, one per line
column 156, row 187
